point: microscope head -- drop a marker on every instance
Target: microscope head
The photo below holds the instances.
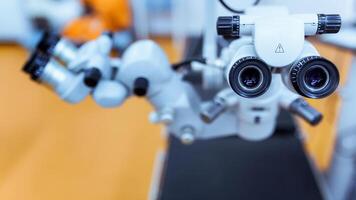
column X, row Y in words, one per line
column 278, row 43
column 278, row 36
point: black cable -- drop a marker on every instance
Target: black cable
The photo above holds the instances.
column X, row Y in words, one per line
column 188, row 62
column 233, row 10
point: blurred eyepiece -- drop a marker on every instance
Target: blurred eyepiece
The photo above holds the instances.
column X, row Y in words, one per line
column 314, row 77
column 58, row 47
column 48, row 71
column 36, row 65
column 48, row 42
column 45, row 70
column 250, row 77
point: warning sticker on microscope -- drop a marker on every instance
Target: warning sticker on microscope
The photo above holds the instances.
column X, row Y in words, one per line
column 279, row 48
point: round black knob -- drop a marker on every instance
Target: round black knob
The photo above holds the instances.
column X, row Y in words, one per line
column 140, row 87
column 329, row 23
column 36, row 64
column 228, row 26
column 92, row 77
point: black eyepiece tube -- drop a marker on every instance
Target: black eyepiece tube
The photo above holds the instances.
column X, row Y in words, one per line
column 302, row 109
column 48, row 42
column 36, row 65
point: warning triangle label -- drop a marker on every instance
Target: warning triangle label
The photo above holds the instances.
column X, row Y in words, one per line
column 279, row 48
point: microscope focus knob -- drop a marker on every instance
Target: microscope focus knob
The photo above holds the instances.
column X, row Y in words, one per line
column 140, row 86
column 329, row 23
column 92, row 77
column 228, row 26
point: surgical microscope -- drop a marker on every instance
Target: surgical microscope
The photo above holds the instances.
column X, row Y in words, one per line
column 267, row 66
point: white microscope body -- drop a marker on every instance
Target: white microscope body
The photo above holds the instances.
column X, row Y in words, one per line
column 268, row 69
column 75, row 73
column 272, row 66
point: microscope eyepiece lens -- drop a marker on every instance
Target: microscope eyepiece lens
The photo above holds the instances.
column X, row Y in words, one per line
column 314, row 77
column 250, row 77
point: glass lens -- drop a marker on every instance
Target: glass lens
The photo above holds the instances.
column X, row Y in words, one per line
column 316, row 78
column 250, row 77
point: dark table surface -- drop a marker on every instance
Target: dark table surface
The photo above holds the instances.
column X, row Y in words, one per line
column 231, row 168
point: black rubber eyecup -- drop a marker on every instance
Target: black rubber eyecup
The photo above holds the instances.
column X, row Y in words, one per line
column 36, row 65
column 48, row 42
column 298, row 74
column 264, row 81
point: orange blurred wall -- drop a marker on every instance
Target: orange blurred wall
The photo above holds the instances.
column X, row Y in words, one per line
column 105, row 15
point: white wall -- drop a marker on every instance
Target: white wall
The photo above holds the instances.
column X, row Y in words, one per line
column 14, row 23
column 344, row 7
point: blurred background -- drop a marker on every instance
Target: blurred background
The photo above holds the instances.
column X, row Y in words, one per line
column 52, row 150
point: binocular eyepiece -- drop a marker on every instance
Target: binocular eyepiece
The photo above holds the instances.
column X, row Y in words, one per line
column 313, row 77
column 250, row 77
